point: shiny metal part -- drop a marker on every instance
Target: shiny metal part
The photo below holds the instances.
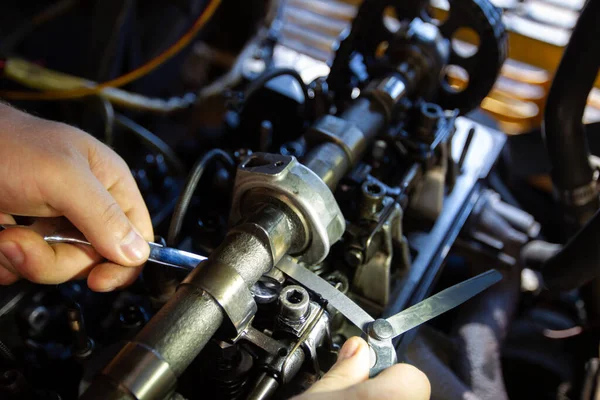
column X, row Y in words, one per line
column 294, row 303
column 318, row 335
column 372, row 195
column 372, row 279
column 192, row 315
column 383, row 355
column 263, row 176
column 381, row 332
column 262, row 341
column 341, row 132
column 159, row 254
column 441, row 302
column 340, row 142
column 264, row 388
column 230, row 291
column 518, row 218
column 334, row 297
column 175, row 258
column 394, row 87
column 145, row 372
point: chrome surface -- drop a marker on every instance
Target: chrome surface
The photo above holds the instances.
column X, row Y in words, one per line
column 167, row 256
column 441, row 302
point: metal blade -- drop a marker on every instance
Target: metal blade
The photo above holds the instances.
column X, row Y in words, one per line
column 338, row 300
column 168, row 256
column 174, row 257
column 441, row 302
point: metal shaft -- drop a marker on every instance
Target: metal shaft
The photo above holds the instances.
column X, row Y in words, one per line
column 181, row 329
column 332, row 160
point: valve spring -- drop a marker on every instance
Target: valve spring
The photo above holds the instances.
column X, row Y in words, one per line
column 232, row 389
column 231, row 376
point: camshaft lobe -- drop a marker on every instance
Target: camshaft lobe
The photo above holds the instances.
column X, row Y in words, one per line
column 181, row 329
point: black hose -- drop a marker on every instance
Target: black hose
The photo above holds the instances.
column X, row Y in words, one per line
column 270, row 74
column 152, row 141
column 563, row 128
column 193, row 179
column 578, row 262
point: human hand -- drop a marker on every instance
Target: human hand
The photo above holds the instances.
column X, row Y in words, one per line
column 349, row 379
column 49, row 169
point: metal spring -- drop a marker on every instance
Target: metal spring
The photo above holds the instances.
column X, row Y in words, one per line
column 233, row 389
column 228, row 386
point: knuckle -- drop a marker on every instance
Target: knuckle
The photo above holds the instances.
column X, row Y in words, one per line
column 112, row 216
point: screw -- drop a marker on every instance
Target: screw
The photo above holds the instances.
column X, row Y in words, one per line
column 381, row 329
column 354, row 257
column 294, row 303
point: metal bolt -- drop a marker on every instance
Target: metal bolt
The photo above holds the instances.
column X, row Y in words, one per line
column 354, row 257
column 372, row 197
column 266, row 290
column 381, row 330
column 38, row 318
column 294, row 303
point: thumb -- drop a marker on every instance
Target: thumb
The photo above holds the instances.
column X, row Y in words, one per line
column 352, row 367
column 94, row 211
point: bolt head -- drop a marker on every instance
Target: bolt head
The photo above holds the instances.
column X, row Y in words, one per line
column 294, row 303
column 354, row 257
column 381, row 330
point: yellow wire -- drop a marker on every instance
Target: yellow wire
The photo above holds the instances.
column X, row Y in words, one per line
column 128, row 77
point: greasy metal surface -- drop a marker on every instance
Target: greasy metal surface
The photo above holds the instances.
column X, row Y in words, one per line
column 336, row 299
column 383, row 354
column 265, row 387
column 294, row 303
column 372, row 278
column 183, row 326
column 149, row 371
column 356, row 128
column 258, row 338
column 441, row 302
column 292, row 182
column 230, row 291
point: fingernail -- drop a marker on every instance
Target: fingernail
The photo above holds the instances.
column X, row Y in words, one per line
column 134, row 246
column 348, row 350
column 12, row 253
column 105, row 289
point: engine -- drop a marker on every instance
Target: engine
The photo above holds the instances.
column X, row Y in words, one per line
column 320, row 200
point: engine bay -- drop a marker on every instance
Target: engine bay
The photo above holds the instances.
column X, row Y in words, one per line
column 317, row 201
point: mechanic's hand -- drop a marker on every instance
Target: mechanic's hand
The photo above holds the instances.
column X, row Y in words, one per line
column 348, row 379
column 49, row 169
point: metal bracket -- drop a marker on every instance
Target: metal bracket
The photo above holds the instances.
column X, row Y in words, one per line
column 284, row 179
